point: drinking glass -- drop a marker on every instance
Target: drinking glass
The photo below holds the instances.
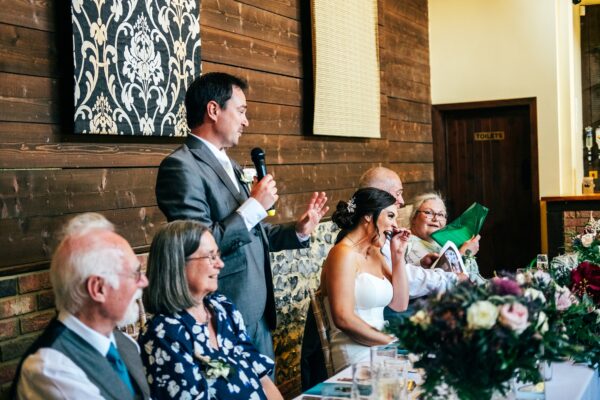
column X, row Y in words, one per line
column 381, row 353
column 362, row 382
column 530, row 390
column 390, row 380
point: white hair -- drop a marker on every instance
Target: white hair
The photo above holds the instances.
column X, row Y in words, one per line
column 422, row 198
column 79, row 256
column 85, row 222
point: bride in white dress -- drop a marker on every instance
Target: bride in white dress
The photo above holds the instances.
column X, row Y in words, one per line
column 355, row 279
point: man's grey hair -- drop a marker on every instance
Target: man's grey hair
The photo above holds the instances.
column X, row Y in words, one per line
column 83, row 252
column 422, row 198
column 379, row 178
column 85, row 222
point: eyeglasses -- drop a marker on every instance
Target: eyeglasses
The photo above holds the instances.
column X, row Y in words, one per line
column 136, row 275
column 212, row 258
column 429, row 214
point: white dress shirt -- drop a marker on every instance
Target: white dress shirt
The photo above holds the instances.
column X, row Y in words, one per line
column 422, row 281
column 48, row 374
column 251, row 210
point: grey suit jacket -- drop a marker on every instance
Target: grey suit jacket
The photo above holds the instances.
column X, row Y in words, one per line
column 192, row 184
column 95, row 365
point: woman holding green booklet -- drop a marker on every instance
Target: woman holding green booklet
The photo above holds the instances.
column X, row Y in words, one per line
column 428, row 216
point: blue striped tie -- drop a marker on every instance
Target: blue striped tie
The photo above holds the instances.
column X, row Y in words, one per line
column 117, row 363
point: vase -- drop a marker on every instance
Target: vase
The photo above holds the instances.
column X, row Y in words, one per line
column 532, row 390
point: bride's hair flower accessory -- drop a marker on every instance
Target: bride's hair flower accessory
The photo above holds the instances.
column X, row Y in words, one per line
column 351, row 206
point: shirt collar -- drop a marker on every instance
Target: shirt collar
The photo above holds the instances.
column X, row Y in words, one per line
column 220, row 154
column 97, row 340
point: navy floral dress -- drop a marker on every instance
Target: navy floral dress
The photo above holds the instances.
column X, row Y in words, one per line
column 180, row 363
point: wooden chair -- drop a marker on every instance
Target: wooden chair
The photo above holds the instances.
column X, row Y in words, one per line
column 318, row 308
column 134, row 329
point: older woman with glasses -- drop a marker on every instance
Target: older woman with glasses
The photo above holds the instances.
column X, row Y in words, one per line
column 196, row 344
column 428, row 216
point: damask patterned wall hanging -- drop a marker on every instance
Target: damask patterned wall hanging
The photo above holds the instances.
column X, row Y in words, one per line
column 133, row 62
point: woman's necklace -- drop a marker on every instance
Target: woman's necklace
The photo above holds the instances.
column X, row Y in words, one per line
column 206, row 318
column 365, row 255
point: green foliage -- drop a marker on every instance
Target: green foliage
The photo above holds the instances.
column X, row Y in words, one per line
column 474, row 362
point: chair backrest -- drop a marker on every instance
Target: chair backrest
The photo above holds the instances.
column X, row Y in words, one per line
column 318, row 308
column 138, row 326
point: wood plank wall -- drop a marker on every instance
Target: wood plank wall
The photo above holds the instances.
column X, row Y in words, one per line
column 47, row 174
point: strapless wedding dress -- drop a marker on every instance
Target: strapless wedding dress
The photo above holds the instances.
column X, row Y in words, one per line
column 371, row 295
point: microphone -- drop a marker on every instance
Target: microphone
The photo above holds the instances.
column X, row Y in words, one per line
column 258, row 158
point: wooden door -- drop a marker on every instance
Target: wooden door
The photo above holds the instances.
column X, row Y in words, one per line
column 487, row 152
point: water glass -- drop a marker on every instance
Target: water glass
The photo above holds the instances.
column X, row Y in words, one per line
column 390, row 380
column 381, row 353
column 362, row 381
column 546, row 370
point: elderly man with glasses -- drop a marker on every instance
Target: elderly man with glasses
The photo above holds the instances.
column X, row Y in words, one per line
column 96, row 278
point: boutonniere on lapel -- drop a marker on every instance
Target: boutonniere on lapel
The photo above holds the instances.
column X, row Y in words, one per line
column 247, row 177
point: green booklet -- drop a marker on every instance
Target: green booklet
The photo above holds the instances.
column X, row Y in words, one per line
column 464, row 227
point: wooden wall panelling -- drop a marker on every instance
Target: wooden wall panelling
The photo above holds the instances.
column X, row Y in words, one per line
column 27, row 51
column 287, row 8
column 263, row 86
column 27, row 13
column 240, row 51
column 30, row 240
column 82, row 155
column 248, row 20
column 406, row 131
column 32, row 193
column 26, row 98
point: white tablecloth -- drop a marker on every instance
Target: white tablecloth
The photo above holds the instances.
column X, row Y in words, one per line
column 575, row 382
column 569, row 382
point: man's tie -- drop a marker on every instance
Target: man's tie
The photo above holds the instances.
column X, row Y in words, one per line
column 229, row 169
column 117, row 363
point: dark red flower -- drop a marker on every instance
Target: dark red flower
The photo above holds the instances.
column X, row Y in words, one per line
column 586, row 279
column 505, row 286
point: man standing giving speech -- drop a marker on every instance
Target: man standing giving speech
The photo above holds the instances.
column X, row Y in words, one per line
column 199, row 181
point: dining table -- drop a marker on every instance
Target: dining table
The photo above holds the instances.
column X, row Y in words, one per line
column 568, row 382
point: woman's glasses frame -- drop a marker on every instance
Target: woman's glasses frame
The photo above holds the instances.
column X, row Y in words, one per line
column 430, row 214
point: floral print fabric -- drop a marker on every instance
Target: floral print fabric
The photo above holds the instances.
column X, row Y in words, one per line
column 181, row 364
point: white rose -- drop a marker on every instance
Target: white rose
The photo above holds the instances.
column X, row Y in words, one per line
column 482, row 315
column 248, row 174
column 587, row 239
column 542, row 276
column 542, row 322
column 535, row 294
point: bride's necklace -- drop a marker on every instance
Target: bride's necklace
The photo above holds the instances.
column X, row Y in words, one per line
column 365, row 255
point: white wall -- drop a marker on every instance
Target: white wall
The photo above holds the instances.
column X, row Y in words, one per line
column 506, row 49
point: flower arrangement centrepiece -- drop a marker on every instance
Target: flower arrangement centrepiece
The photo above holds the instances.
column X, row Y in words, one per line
column 474, row 339
column 571, row 284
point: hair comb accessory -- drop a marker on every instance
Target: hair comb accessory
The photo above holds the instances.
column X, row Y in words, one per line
column 351, row 206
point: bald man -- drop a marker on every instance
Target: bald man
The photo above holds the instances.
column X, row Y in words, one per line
column 421, row 281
